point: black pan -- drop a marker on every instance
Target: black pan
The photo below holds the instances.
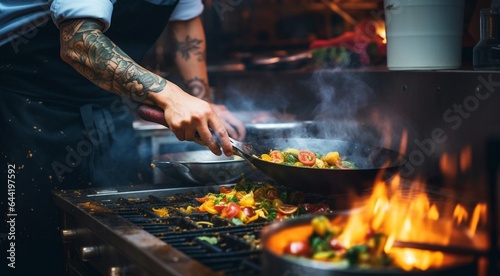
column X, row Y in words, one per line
column 369, row 160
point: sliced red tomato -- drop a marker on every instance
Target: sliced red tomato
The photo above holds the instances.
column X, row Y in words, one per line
column 279, row 216
column 219, row 207
column 287, row 209
column 298, row 248
column 231, row 210
column 306, row 157
column 201, row 199
column 315, row 208
column 260, row 192
column 277, row 156
column 336, row 245
column 225, row 190
column 248, row 211
column 271, row 193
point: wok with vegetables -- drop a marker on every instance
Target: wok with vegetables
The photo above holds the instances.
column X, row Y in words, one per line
column 302, row 163
column 313, row 244
column 369, row 161
column 321, row 245
column 306, row 158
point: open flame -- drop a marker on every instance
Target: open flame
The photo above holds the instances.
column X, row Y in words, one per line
column 405, row 212
column 380, row 30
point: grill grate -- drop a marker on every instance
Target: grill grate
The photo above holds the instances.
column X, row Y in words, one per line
column 237, row 248
column 236, row 251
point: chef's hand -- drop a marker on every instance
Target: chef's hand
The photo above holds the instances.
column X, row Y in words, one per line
column 235, row 128
column 186, row 115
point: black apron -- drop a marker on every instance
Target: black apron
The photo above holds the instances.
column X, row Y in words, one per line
column 60, row 131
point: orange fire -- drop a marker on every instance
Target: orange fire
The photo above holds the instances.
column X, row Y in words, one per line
column 405, row 212
column 380, row 30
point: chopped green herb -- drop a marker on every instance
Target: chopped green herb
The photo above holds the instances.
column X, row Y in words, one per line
column 320, row 244
column 271, row 214
column 290, row 158
column 353, row 254
column 233, row 199
column 247, row 186
column 283, row 195
column 219, row 198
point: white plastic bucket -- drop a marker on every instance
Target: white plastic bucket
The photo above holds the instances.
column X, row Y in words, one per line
column 424, row 34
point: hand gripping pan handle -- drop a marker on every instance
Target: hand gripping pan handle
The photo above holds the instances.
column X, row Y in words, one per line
column 154, row 114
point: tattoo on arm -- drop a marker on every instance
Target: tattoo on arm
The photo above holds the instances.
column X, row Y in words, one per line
column 97, row 58
column 190, row 46
column 198, row 88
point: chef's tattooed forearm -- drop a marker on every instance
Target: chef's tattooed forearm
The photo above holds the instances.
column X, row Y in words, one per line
column 190, row 46
column 198, row 88
column 97, row 58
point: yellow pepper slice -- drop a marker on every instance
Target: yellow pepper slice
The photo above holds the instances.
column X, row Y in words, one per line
column 319, row 164
column 188, row 210
column 246, row 219
column 250, row 219
column 209, row 207
column 261, row 213
column 247, row 200
column 162, row 212
column 323, row 255
column 292, row 151
column 265, row 157
column 331, row 158
column 321, row 225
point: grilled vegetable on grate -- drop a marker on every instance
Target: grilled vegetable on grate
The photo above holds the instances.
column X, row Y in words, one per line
column 250, row 201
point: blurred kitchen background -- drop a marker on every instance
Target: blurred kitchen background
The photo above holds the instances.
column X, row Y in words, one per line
column 322, row 62
column 245, row 35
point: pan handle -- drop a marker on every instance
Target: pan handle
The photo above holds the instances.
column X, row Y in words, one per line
column 155, row 115
column 152, row 114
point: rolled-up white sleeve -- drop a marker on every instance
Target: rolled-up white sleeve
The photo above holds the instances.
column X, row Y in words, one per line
column 70, row 9
column 187, row 9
